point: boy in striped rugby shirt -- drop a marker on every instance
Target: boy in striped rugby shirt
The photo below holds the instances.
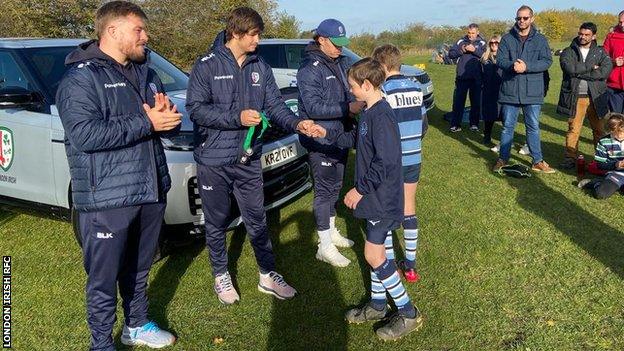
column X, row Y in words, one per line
column 406, row 99
column 610, row 157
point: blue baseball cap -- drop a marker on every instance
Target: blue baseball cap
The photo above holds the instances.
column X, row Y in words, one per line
column 334, row 30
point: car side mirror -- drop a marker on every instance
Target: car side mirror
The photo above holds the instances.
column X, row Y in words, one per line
column 15, row 97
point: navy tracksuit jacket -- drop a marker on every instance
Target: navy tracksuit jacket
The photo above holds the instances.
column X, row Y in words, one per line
column 119, row 181
column 324, row 97
column 467, row 80
column 378, row 173
column 219, row 89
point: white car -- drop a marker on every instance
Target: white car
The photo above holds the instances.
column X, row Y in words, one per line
column 284, row 56
column 33, row 164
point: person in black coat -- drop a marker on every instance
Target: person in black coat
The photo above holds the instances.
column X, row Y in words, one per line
column 492, row 79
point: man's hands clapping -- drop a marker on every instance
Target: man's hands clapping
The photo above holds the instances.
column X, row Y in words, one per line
column 164, row 115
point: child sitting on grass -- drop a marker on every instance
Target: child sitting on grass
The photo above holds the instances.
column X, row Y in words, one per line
column 609, row 157
column 377, row 197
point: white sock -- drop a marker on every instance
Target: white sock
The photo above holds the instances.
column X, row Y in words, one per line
column 325, row 236
column 332, row 222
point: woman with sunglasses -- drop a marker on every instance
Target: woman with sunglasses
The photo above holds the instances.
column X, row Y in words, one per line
column 492, row 78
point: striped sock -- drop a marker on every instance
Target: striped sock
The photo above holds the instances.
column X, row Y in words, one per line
column 389, row 246
column 389, row 277
column 378, row 292
column 410, row 235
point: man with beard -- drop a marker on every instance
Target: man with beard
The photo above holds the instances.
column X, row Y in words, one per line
column 468, row 80
column 585, row 67
column 523, row 56
column 614, row 46
column 118, row 169
column 325, row 98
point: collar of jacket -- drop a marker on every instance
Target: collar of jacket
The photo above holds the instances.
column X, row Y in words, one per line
column 477, row 39
column 516, row 34
column 618, row 33
column 575, row 45
column 227, row 53
column 90, row 51
column 313, row 49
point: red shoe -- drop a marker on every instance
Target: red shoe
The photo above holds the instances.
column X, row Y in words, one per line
column 410, row 274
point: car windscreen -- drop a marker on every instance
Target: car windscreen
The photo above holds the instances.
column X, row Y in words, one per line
column 49, row 64
column 352, row 57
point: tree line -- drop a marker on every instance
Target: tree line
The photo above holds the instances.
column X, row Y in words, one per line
column 184, row 29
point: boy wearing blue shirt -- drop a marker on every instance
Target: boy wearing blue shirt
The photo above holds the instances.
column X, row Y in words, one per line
column 378, row 185
column 406, row 99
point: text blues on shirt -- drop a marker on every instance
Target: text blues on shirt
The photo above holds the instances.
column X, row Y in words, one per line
column 406, row 99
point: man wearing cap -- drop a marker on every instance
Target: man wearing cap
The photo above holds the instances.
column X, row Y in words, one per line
column 325, row 98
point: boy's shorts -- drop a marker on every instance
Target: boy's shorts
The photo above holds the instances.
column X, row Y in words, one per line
column 376, row 230
column 411, row 173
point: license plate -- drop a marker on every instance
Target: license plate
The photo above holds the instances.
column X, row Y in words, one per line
column 278, row 156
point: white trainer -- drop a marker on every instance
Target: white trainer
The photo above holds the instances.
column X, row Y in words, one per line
column 495, row 148
column 330, row 254
column 524, row 150
column 149, row 335
column 339, row 240
column 225, row 290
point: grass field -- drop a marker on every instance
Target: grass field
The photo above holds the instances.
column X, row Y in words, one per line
column 506, row 264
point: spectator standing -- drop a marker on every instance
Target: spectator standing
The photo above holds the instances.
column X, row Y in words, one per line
column 468, row 79
column 614, row 46
column 523, row 56
column 585, row 67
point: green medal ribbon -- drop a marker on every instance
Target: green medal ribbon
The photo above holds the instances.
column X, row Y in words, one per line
column 252, row 130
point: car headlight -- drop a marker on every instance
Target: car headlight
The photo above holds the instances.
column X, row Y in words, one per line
column 183, row 141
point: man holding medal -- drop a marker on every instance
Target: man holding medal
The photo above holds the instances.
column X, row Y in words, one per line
column 229, row 88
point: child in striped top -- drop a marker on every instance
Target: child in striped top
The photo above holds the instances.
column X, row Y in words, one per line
column 406, row 99
column 610, row 157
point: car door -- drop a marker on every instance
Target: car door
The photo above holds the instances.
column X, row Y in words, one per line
column 26, row 167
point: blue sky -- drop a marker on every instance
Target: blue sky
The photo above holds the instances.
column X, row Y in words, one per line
column 374, row 16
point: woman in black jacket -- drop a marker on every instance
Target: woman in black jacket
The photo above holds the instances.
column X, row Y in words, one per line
column 492, row 78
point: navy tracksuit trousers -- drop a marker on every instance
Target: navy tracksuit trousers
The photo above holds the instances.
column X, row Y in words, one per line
column 463, row 87
column 216, row 185
column 328, row 172
column 118, row 249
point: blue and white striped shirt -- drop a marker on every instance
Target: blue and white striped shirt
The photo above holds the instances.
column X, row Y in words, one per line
column 406, row 99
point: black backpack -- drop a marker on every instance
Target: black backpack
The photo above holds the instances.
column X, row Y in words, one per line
column 515, row 170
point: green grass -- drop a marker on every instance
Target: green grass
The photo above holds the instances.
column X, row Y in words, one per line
column 507, row 264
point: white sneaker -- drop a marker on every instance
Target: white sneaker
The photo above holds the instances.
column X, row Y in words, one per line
column 524, row 150
column 274, row 284
column 223, row 286
column 331, row 255
column 338, row 240
column 495, row 148
column 149, row 335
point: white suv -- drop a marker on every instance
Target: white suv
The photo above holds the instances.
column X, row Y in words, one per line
column 33, row 164
column 284, row 56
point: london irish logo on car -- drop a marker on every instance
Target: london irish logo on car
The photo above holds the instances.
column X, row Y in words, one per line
column 6, row 148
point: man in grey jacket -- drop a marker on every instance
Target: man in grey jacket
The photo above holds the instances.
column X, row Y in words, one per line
column 586, row 67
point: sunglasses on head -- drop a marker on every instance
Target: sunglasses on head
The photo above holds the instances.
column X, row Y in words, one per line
column 524, row 18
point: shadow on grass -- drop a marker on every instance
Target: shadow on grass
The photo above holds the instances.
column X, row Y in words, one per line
column 314, row 320
column 602, row 241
